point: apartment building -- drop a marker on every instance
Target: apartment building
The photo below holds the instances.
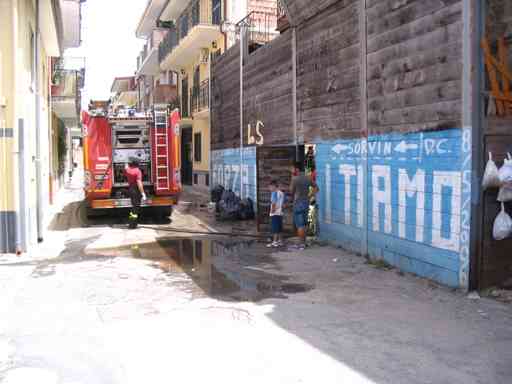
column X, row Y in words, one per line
column 154, row 86
column 31, row 32
column 197, row 31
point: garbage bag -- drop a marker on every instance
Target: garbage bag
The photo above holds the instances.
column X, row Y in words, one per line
column 216, row 193
column 502, row 225
column 505, row 172
column 229, row 206
column 505, row 193
column 247, row 209
column 491, row 175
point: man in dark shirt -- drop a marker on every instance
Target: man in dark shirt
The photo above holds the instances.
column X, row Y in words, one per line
column 300, row 189
column 135, row 190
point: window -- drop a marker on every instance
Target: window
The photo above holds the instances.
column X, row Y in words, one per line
column 184, row 98
column 199, row 251
column 196, row 179
column 183, row 25
column 207, row 180
column 216, row 12
column 197, row 147
column 195, row 13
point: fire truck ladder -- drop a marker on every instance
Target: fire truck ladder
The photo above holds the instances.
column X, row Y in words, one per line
column 162, row 151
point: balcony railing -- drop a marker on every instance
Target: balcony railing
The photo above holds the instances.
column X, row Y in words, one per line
column 198, row 12
column 282, row 20
column 154, row 41
column 201, row 96
column 169, row 42
column 260, row 26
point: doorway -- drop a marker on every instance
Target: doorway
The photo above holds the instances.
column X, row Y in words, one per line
column 275, row 163
column 186, row 156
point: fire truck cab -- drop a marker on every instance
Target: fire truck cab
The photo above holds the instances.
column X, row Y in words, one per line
column 111, row 140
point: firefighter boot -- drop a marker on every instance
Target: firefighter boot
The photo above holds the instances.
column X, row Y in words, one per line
column 133, row 220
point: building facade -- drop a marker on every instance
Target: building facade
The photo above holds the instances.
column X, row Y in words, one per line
column 197, row 32
column 154, row 86
column 30, row 34
column 67, row 81
column 390, row 96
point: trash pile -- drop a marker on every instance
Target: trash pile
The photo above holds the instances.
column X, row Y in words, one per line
column 230, row 207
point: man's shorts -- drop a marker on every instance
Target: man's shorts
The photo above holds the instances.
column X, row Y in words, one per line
column 300, row 213
column 276, row 224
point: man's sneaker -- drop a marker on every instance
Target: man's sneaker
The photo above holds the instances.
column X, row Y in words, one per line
column 272, row 245
column 301, row 247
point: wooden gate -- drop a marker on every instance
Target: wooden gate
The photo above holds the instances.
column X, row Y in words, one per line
column 274, row 163
column 495, row 261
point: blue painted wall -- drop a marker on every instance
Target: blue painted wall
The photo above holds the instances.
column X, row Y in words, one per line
column 409, row 193
column 225, row 165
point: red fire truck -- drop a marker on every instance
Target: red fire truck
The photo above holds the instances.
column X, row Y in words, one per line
column 109, row 141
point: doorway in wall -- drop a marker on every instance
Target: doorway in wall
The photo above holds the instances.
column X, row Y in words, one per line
column 186, row 156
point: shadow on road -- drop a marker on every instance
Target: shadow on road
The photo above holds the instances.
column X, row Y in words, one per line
column 74, row 215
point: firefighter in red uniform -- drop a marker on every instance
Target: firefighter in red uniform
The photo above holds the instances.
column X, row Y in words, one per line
column 135, row 190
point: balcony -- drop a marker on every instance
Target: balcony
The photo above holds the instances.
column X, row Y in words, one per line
column 201, row 99
column 260, row 27
column 165, row 94
column 67, row 81
column 147, row 61
column 196, row 27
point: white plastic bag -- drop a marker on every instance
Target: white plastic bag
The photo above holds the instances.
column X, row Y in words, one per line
column 505, row 172
column 491, row 175
column 502, row 225
column 505, row 193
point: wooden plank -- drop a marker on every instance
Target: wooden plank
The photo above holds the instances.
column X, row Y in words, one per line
column 441, row 36
column 385, row 16
column 449, row 53
column 439, row 73
column 445, row 110
column 418, row 95
column 444, row 17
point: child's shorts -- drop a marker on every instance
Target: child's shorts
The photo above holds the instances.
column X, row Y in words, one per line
column 276, row 224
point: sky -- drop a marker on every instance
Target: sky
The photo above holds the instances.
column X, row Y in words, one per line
column 109, row 44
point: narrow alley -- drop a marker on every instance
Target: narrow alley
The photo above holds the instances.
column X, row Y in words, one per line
column 120, row 306
column 256, row 191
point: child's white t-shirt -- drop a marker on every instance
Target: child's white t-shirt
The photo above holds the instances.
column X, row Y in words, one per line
column 277, row 198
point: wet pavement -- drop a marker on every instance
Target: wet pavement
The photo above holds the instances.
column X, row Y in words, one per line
column 220, row 269
column 99, row 304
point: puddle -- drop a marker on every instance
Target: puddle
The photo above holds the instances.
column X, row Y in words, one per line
column 241, row 271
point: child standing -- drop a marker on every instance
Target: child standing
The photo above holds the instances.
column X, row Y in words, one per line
column 276, row 214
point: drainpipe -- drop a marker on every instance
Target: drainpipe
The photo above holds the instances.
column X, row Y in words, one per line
column 210, row 115
column 477, row 16
column 225, row 12
column 294, row 91
column 39, row 175
column 242, row 42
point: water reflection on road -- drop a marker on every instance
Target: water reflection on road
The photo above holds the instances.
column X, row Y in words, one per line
column 229, row 270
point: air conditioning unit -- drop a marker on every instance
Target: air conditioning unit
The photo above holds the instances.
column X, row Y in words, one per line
column 205, row 55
